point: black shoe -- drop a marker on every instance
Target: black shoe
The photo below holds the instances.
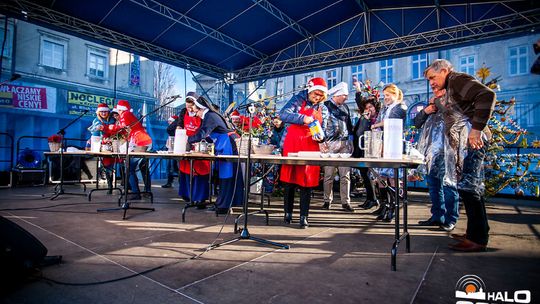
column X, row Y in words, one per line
column 167, row 185
column 326, row 206
column 347, row 207
column 363, row 205
column 303, row 222
column 382, row 212
column 134, row 197
column 379, row 210
column 200, row 205
column 429, row 222
column 370, row 204
column 448, row 227
column 223, row 211
column 287, row 218
column 389, row 215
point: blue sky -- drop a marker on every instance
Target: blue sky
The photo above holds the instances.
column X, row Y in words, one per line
column 182, row 87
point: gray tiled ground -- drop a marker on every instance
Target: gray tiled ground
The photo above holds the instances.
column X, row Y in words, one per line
column 341, row 258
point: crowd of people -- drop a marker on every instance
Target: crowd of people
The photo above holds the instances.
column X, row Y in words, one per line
column 453, row 140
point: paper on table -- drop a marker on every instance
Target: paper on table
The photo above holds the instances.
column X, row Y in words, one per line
column 309, row 154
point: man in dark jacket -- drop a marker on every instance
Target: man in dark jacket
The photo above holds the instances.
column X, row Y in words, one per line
column 468, row 104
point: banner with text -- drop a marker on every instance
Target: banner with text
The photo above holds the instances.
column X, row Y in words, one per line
column 31, row 98
column 78, row 102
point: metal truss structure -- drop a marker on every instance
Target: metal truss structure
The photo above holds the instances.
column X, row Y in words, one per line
column 28, row 10
column 400, row 45
column 373, row 31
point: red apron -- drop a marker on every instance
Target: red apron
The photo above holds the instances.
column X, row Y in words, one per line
column 299, row 138
column 200, row 167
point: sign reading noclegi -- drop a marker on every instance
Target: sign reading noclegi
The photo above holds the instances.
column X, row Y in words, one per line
column 78, row 102
column 32, row 98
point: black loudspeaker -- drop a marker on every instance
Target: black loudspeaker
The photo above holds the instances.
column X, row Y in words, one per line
column 20, row 251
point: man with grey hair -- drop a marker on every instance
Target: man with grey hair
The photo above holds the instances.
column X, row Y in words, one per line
column 338, row 129
column 467, row 108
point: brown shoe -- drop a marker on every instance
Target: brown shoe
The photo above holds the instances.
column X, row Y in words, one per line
column 468, row 246
column 458, row 237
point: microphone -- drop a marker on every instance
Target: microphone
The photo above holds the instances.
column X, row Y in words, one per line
column 85, row 111
column 174, row 96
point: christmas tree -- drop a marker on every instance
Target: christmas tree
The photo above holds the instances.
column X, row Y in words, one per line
column 502, row 168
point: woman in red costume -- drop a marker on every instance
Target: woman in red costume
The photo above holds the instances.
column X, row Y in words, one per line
column 138, row 139
column 201, row 168
column 303, row 108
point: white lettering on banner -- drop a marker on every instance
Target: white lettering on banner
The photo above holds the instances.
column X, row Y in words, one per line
column 29, row 104
column 26, row 97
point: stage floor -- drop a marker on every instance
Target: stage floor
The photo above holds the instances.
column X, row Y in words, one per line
column 341, row 258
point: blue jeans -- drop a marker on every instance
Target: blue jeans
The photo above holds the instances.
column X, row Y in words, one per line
column 142, row 164
column 444, row 199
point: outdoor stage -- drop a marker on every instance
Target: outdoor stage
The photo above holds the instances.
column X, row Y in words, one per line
column 341, row 258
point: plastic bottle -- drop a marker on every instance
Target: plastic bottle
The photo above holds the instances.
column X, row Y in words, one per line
column 316, row 130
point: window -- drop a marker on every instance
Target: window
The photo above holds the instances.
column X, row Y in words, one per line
column 9, row 38
column 53, row 52
column 280, row 89
column 331, row 78
column 357, row 72
column 527, row 114
column 387, row 71
column 307, row 78
column 518, row 60
column 466, row 65
column 419, row 64
column 98, row 60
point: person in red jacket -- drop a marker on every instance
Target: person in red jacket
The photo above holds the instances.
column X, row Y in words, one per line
column 201, row 168
column 138, row 139
column 303, row 109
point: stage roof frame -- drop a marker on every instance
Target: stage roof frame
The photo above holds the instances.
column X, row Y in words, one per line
column 242, row 41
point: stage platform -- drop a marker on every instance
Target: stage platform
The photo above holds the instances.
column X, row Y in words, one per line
column 341, row 258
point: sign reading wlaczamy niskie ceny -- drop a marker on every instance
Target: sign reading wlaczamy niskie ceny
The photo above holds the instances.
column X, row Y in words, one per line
column 34, row 98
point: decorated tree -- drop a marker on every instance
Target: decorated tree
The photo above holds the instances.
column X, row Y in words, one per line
column 505, row 169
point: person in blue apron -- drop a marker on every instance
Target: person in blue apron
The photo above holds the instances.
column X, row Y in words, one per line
column 100, row 127
column 214, row 129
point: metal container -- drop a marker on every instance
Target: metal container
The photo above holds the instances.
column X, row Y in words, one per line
column 373, row 144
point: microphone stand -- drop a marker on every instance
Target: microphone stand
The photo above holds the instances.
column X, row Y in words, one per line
column 245, row 235
column 60, row 190
column 127, row 205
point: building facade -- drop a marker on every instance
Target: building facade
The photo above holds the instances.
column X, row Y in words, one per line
column 48, row 78
column 509, row 60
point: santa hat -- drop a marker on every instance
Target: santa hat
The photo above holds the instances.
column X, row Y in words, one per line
column 235, row 113
column 317, row 83
column 192, row 96
column 123, row 105
column 114, row 110
column 172, row 118
column 102, row 107
column 341, row 88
